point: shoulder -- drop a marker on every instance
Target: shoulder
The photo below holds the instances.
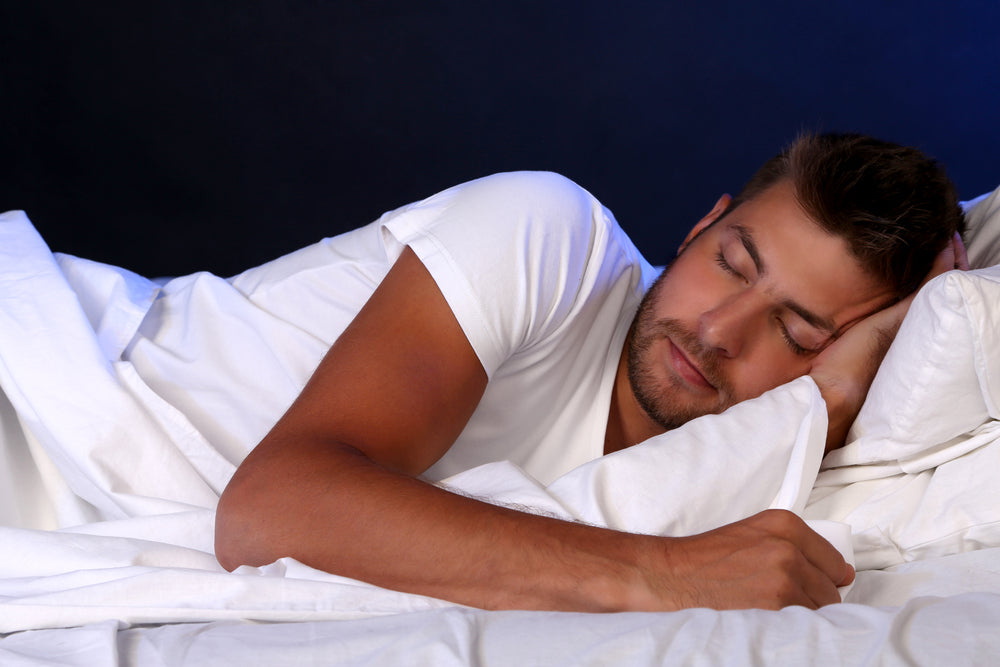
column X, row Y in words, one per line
column 506, row 213
column 507, row 194
column 515, row 195
column 540, row 186
column 542, row 195
column 514, row 254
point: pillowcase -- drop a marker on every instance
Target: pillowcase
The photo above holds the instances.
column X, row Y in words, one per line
column 982, row 237
column 940, row 380
column 709, row 472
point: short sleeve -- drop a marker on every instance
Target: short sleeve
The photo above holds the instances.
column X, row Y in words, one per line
column 513, row 254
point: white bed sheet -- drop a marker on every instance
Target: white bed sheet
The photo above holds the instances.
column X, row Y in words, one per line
column 111, row 560
column 926, row 629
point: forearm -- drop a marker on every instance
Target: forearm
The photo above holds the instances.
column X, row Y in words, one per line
column 342, row 513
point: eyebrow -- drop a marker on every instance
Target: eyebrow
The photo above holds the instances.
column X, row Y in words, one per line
column 811, row 318
column 746, row 238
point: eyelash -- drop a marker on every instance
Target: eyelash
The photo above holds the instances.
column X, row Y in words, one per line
column 795, row 347
column 720, row 259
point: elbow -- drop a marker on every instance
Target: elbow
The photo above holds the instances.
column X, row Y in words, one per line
column 280, row 501
column 238, row 529
column 228, row 549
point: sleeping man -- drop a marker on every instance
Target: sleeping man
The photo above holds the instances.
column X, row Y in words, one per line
column 510, row 318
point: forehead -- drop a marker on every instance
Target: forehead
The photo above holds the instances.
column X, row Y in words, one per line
column 801, row 263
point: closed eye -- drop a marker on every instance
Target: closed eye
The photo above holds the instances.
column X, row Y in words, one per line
column 793, row 345
column 720, row 259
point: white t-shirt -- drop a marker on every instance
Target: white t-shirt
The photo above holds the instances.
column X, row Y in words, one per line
column 540, row 277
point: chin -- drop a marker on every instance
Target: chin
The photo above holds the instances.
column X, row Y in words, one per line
column 670, row 413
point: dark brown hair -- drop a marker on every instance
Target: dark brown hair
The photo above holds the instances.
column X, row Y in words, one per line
column 893, row 205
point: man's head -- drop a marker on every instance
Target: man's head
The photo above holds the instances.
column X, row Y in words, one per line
column 893, row 205
column 829, row 231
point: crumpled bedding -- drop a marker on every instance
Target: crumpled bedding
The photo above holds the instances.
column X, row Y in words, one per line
column 108, row 493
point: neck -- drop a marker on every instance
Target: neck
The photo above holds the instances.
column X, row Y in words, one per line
column 628, row 424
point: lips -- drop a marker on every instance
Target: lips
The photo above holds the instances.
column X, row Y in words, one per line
column 686, row 368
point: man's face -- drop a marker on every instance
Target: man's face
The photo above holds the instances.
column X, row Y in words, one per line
column 746, row 306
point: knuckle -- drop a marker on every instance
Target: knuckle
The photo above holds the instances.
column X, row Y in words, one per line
column 783, row 556
column 778, row 520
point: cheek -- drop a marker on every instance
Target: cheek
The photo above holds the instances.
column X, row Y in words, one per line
column 693, row 286
column 772, row 365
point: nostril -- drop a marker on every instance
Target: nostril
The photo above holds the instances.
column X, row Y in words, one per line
column 719, row 334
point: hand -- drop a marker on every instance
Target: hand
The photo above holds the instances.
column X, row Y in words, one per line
column 954, row 256
column 770, row 560
column 844, row 371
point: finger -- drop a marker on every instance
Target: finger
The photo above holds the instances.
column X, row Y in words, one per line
column 816, row 549
column 849, row 577
column 961, row 255
column 953, row 256
column 820, row 590
column 802, row 583
column 885, row 320
column 826, row 559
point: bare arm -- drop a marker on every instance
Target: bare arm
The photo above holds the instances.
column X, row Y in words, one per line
column 334, row 485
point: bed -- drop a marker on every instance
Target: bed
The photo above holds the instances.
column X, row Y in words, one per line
column 107, row 499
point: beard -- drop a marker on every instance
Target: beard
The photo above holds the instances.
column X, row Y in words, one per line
column 666, row 400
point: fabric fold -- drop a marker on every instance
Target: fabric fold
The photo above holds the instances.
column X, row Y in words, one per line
column 117, row 457
column 703, row 475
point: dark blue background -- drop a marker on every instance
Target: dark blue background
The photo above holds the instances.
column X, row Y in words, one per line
column 170, row 137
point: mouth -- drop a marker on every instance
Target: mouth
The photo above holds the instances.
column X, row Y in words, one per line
column 687, row 369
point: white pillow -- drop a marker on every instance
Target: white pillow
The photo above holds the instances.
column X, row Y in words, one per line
column 949, row 509
column 982, row 237
column 709, row 472
column 917, row 477
column 940, row 380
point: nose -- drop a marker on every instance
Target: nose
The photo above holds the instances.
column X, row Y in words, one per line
column 727, row 326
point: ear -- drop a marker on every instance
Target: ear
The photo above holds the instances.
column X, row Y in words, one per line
column 713, row 215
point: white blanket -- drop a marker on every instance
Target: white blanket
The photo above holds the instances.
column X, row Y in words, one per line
column 108, row 498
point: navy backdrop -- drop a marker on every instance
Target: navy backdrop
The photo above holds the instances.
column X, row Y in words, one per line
column 170, row 137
